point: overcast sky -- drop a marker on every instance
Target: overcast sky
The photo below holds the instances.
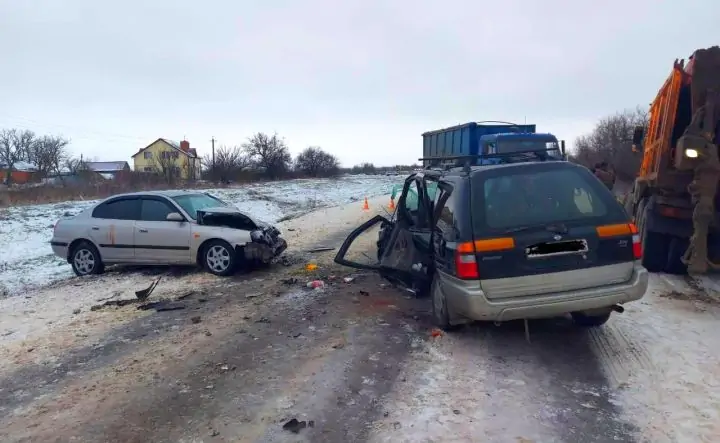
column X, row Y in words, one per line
column 361, row 79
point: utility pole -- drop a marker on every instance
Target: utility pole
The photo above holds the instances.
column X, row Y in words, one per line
column 212, row 140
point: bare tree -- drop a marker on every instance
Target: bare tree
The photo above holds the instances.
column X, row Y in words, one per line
column 611, row 142
column 72, row 164
column 315, row 162
column 47, row 153
column 14, row 147
column 8, row 155
column 192, row 166
column 229, row 163
column 165, row 165
column 269, row 153
column 364, row 168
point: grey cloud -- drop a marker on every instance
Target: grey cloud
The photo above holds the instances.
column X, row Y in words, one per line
column 199, row 67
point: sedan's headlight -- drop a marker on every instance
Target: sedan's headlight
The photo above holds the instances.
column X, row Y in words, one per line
column 257, row 236
column 691, row 153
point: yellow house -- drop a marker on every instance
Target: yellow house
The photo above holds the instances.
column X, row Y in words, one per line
column 168, row 158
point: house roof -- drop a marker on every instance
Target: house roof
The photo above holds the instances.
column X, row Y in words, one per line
column 173, row 144
column 20, row 166
column 107, row 166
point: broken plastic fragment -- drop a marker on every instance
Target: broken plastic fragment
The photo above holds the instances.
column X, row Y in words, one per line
column 295, row 425
column 316, row 284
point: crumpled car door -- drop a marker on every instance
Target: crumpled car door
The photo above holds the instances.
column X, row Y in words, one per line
column 404, row 248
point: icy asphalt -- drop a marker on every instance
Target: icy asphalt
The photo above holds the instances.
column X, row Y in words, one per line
column 357, row 362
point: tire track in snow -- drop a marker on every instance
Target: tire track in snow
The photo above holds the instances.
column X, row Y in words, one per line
column 487, row 383
column 618, row 354
column 677, row 396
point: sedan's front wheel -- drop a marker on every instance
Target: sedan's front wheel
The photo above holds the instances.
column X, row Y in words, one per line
column 85, row 260
column 219, row 258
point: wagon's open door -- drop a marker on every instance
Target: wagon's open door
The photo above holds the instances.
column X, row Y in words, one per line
column 404, row 249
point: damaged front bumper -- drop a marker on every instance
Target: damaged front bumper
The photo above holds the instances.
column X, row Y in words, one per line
column 265, row 245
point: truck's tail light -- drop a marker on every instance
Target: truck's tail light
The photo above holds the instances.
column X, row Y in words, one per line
column 466, row 265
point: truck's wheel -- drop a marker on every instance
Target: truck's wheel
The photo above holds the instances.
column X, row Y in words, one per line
column 654, row 245
column 676, row 249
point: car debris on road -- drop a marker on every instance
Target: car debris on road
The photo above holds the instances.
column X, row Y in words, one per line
column 295, row 426
column 145, row 293
column 316, row 284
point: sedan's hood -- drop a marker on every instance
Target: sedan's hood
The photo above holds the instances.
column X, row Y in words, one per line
column 229, row 210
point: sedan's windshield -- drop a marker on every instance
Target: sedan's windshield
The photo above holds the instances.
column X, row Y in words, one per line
column 191, row 203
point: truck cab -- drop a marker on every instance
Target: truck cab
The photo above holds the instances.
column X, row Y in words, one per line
column 495, row 146
column 489, row 142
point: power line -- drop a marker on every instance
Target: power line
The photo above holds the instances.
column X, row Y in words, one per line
column 74, row 129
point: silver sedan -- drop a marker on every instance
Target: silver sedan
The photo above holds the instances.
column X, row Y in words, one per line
column 165, row 228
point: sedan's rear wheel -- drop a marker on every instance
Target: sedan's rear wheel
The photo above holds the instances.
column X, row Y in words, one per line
column 85, row 259
column 219, row 258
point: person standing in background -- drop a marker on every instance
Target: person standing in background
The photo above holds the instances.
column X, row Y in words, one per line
column 605, row 174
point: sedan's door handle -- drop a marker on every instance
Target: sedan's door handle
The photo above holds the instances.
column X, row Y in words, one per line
column 142, row 230
column 95, row 228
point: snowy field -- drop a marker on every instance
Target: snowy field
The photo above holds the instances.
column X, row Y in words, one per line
column 25, row 232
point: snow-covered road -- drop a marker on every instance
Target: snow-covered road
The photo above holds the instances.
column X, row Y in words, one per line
column 26, row 260
column 651, row 374
column 358, row 359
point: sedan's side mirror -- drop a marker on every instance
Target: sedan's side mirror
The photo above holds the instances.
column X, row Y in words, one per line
column 175, row 217
column 638, row 134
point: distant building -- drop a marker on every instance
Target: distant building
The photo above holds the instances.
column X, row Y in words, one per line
column 162, row 154
column 109, row 170
column 22, row 172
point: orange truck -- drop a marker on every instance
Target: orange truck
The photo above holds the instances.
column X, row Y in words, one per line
column 674, row 199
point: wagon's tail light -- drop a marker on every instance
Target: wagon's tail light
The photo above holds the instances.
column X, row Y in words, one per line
column 623, row 229
column 466, row 265
column 466, row 262
column 637, row 244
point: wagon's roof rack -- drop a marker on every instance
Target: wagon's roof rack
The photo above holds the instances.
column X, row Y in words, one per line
column 466, row 161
